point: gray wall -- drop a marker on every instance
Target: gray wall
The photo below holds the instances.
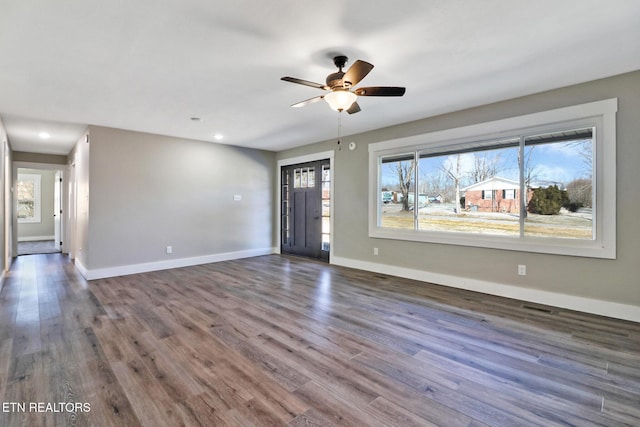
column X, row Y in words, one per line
column 607, row 280
column 44, row 228
column 147, row 192
column 5, row 213
column 51, row 159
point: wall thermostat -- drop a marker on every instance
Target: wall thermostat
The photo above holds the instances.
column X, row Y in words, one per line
column 352, row 146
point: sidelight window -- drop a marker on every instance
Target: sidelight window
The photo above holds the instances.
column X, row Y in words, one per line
column 326, row 207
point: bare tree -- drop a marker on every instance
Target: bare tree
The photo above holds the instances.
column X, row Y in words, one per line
column 531, row 170
column 485, row 166
column 580, row 191
column 584, row 151
column 454, row 172
column 434, row 183
column 404, row 171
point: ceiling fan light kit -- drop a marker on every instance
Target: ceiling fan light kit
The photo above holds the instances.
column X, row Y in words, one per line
column 340, row 100
column 341, row 96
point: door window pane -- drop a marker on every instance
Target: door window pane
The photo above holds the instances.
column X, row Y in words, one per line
column 297, row 179
column 326, row 207
column 311, row 182
column 325, row 242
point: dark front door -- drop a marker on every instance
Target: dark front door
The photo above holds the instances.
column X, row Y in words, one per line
column 305, row 209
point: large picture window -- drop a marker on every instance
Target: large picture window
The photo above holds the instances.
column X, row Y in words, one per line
column 542, row 183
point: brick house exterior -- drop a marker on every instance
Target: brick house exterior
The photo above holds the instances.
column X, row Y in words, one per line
column 493, row 195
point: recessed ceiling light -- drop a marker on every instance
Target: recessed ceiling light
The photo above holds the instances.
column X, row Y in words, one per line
column 44, row 135
column 218, row 136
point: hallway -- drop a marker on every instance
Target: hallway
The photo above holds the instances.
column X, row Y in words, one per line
column 37, row 247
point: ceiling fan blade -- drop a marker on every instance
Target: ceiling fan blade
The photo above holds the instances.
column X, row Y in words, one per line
column 308, row 101
column 380, row 91
column 356, row 72
column 305, row 82
column 354, row 108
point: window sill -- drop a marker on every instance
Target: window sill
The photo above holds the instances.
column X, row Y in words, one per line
column 570, row 247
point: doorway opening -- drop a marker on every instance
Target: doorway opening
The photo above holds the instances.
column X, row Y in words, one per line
column 38, row 211
column 305, row 197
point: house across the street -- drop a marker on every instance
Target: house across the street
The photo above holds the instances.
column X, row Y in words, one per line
column 493, row 195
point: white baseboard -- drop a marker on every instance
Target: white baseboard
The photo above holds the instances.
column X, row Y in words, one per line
column 572, row 302
column 35, row 238
column 123, row 270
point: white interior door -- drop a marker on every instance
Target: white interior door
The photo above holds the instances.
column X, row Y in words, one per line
column 57, row 210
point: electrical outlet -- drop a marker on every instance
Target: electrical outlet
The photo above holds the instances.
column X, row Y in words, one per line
column 522, row 270
column 375, row 251
column 169, row 249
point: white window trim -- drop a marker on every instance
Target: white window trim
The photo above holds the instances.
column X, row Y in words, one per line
column 601, row 114
column 509, row 194
column 37, row 202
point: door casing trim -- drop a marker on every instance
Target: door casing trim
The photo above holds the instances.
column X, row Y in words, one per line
column 305, row 159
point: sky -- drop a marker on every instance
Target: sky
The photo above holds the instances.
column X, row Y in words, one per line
column 560, row 162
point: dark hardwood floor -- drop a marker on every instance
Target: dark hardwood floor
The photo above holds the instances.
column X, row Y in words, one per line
column 37, row 247
column 278, row 340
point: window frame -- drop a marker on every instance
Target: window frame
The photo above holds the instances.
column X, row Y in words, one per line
column 598, row 114
column 509, row 194
column 37, row 198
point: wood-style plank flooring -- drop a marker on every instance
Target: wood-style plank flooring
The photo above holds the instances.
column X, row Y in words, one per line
column 283, row 341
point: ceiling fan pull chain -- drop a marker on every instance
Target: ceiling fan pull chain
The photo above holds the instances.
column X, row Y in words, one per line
column 339, row 129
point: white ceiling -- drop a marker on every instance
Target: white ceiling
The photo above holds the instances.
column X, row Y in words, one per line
column 150, row 65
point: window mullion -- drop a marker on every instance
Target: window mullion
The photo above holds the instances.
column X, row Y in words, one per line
column 416, row 193
column 523, row 186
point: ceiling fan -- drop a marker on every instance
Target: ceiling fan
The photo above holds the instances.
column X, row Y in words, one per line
column 343, row 96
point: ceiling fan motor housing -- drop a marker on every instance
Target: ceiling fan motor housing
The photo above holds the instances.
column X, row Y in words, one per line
column 334, row 80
